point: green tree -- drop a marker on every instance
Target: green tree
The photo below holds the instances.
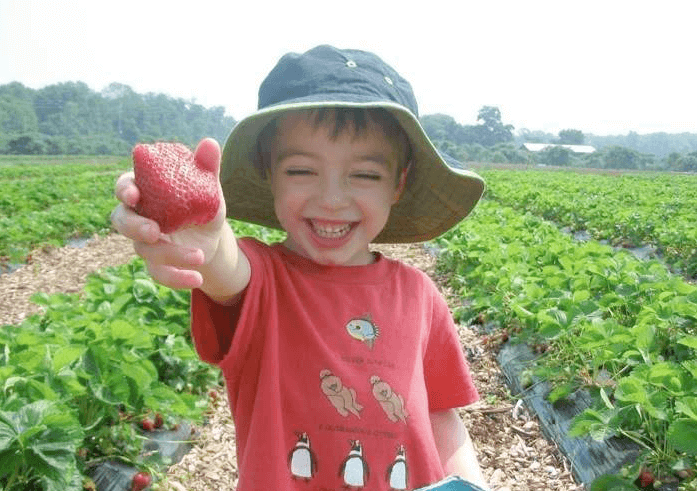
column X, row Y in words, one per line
column 571, row 137
column 71, row 118
column 17, row 116
column 688, row 163
column 492, row 131
column 617, row 157
column 555, row 156
column 30, row 144
column 441, row 127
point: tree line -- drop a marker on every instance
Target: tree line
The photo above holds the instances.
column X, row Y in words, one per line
column 493, row 141
column 71, row 118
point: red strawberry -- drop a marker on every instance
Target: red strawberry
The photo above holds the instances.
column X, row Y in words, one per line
column 148, row 424
column 140, row 481
column 159, row 420
column 174, row 189
column 646, row 478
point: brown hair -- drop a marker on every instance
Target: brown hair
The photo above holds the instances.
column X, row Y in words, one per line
column 340, row 120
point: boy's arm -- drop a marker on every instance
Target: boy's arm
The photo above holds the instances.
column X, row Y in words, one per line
column 456, row 450
column 228, row 272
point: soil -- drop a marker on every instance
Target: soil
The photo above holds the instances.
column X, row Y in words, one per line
column 513, row 453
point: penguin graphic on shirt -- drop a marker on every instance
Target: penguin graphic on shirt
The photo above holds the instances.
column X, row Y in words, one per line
column 302, row 460
column 397, row 472
column 354, row 469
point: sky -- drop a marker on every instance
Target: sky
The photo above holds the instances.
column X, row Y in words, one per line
column 605, row 67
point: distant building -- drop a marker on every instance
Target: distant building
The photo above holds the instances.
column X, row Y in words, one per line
column 538, row 147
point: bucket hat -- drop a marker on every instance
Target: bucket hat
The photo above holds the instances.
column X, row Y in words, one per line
column 441, row 192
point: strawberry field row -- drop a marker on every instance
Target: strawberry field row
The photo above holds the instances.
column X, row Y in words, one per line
column 82, row 381
column 622, row 328
column 50, row 204
column 628, row 210
column 39, row 193
column 30, row 167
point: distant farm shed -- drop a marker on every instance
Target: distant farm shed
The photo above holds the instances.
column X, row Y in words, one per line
column 538, row 147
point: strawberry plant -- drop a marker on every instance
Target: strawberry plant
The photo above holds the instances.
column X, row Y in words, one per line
column 38, row 442
column 609, row 207
column 106, row 356
column 49, row 204
column 622, row 328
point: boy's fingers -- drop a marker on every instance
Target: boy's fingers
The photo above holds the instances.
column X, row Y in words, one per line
column 173, row 277
column 126, row 190
column 207, row 155
column 137, row 228
column 169, row 254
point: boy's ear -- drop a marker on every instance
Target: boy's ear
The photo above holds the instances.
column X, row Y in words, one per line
column 401, row 184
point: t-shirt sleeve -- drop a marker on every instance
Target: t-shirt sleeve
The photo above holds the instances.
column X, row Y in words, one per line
column 213, row 326
column 448, row 379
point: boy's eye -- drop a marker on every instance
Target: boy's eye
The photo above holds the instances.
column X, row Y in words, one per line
column 369, row 176
column 298, row 172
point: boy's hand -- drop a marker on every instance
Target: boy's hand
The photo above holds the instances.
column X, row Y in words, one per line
column 172, row 259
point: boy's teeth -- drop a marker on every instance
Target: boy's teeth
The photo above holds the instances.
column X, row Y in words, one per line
column 331, row 232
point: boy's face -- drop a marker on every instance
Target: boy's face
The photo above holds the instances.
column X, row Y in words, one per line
column 332, row 196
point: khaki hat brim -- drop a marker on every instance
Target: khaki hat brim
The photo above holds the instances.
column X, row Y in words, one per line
column 438, row 198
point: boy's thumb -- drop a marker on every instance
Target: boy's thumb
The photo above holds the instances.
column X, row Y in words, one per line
column 207, row 155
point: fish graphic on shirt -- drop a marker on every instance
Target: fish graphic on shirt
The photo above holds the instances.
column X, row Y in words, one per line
column 364, row 330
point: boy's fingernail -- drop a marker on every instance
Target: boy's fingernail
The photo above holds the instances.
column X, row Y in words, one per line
column 146, row 230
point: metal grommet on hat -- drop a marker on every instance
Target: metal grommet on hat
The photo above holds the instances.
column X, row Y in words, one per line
column 442, row 192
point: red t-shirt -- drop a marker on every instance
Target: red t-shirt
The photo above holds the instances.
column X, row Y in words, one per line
column 332, row 372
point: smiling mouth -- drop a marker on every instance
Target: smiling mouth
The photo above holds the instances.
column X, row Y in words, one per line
column 335, row 231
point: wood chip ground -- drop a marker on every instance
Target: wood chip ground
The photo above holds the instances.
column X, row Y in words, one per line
column 513, row 453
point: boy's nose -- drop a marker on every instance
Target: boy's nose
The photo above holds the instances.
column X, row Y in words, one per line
column 334, row 193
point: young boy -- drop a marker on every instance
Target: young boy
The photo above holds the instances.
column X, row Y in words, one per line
column 343, row 367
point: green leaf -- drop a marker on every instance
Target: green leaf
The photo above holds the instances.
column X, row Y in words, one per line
column 66, row 355
column 144, row 291
column 581, row 296
column 687, row 406
column 682, row 435
column 606, row 399
column 521, row 312
column 631, row 389
column 666, row 375
column 690, row 366
column 122, row 330
column 45, row 436
column 140, row 376
column 610, row 482
column 593, row 423
column 559, row 392
column 8, row 432
column 644, row 335
column 690, row 341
